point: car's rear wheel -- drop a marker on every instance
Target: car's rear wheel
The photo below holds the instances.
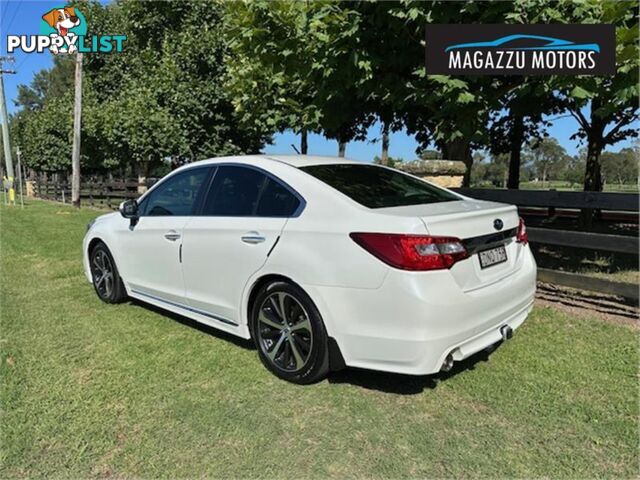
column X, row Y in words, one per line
column 106, row 279
column 289, row 333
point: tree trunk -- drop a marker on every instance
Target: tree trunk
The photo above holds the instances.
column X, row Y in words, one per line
column 304, row 147
column 384, row 159
column 459, row 149
column 517, row 137
column 342, row 148
column 143, row 173
column 592, row 180
column 593, row 171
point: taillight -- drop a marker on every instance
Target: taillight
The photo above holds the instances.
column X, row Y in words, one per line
column 521, row 236
column 412, row 252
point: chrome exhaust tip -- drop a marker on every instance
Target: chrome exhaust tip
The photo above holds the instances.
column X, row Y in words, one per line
column 448, row 363
column 507, row 332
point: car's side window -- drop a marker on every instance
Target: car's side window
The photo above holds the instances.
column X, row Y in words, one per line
column 238, row 191
column 234, row 192
column 177, row 195
column 277, row 201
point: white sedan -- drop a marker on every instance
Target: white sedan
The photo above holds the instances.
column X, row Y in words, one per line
column 323, row 262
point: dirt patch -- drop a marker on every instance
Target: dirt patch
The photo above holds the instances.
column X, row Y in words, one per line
column 588, row 304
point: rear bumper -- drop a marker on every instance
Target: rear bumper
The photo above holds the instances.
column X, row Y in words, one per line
column 414, row 320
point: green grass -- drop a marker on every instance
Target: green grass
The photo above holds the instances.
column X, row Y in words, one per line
column 562, row 185
column 92, row 390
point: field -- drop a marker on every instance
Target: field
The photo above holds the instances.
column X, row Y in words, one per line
column 564, row 186
column 92, row 390
column 560, row 185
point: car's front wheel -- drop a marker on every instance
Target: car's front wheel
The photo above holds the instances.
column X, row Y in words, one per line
column 106, row 279
column 289, row 333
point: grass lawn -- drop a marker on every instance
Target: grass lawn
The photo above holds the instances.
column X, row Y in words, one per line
column 92, row 390
column 561, row 185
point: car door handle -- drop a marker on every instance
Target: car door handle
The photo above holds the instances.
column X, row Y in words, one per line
column 172, row 235
column 252, row 237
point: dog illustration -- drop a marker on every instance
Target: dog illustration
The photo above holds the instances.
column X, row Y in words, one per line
column 62, row 19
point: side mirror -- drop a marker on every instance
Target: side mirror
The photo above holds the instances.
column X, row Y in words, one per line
column 129, row 209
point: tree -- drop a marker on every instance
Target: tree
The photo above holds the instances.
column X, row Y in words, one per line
column 47, row 84
column 620, row 167
column 272, row 48
column 605, row 107
column 518, row 118
column 451, row 112
column 521, row 103
column 161, row 98
column 389, row 162
column 548, row 159
column 574, row 173
column 428, row 154
column 490, row 170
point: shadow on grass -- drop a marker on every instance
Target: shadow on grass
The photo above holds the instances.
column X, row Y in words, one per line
column 201, row 327
column 405, row 384
column 369, row 379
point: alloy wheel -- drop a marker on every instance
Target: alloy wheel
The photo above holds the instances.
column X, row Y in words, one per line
column 284, row 332
column 102, row 269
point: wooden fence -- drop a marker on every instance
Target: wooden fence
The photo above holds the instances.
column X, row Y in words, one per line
column 96, row 192
column 552, row 200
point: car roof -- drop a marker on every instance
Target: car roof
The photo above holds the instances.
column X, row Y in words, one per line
column 293, row 160
column 306, row 160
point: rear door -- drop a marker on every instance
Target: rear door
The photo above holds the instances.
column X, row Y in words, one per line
column 241, row 220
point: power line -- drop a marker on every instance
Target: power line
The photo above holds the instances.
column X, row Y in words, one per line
column 14, row 14
column 24, row 59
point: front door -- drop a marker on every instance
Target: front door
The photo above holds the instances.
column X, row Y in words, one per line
column 151, row 250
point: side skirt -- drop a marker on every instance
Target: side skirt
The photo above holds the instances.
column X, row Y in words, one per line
column 206, row 318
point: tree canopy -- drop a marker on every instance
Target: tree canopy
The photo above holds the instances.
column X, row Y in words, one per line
column 199, row 79
column 163, row 97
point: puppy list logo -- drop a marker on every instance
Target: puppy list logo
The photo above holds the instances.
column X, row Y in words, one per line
column 64, row 30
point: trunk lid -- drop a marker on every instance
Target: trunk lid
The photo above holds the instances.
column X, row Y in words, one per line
column 475, row 222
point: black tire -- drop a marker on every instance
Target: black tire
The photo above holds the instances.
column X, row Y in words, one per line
column 295, row 349
column 106, row 278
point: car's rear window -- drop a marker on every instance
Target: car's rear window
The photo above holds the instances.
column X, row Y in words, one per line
column 378, row 187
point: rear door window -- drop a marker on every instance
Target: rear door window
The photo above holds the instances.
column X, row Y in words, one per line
column 234, row 192
column 238, row 191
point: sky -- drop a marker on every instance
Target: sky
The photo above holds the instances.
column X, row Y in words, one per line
column 23, row 18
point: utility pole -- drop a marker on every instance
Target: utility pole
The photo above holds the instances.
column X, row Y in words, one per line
column 75, row 153
column 20, row 177
column 5, row 128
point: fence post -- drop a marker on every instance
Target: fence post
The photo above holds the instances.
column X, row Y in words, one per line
column 106, row 194
column 109, row 183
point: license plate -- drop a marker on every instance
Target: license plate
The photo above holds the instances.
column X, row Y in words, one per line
column 492, row 256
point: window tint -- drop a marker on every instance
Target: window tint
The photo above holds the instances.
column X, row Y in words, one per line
column 277, row 201
column 234, row 192
column 378, row 187
column 177, row 195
